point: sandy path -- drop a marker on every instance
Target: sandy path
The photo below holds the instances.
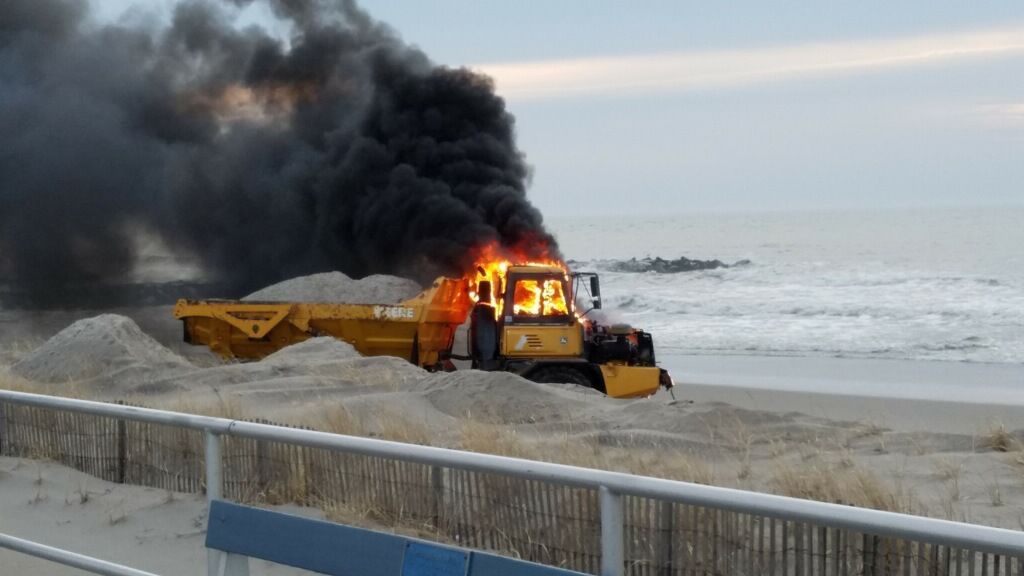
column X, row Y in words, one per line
column 146, row 528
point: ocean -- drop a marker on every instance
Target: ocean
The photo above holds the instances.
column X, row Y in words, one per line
column 933, row 284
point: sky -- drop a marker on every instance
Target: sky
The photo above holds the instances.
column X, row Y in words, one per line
column 677, row 107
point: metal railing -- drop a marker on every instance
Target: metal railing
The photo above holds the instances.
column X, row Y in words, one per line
column 68, row 558
column 611, row 486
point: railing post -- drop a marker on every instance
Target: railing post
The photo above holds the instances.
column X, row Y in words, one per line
column 3, row 426
column 214, row 487
column 612, row 540
column 214, row 467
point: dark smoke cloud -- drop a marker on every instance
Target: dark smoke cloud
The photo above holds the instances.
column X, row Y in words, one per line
column 342, row 148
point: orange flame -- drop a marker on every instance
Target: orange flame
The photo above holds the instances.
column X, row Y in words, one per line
column 527, row 298
column 554, row 299
column 531, row 297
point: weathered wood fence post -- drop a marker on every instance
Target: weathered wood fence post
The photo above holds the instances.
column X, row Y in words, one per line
column 437, row 490
column 663, row 544
column 869, row 551
column 264, row 471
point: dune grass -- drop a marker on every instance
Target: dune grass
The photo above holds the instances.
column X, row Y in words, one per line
column 999, row 439
column 14, row 350
column 736, row 456
column 852, row 486
column 16, row 383
column 220, row 407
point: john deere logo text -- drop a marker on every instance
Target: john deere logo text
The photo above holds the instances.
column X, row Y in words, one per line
column 393, row 312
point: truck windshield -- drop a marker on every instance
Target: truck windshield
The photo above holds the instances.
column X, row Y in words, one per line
column 540, row 298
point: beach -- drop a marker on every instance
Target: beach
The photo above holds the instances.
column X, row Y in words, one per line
column 866, row 432
column 815, row 371
column 905, row 395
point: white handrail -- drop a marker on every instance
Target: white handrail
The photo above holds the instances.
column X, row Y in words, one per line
column 68, row 558
column 930, row 530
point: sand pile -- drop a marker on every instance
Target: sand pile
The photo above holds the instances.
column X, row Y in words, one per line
column 109, row 346
column 337, row 361
column 337, row 287
column 115, row 357
column 505, row 398
column 314, row 350
column 302, row 376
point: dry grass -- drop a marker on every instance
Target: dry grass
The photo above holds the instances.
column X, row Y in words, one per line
column 13, row 351
column 995, row 493
column 387, row 424
column 851, row 486
column 740, row 439
column 949, row 471
column 229, row 408
column 371, row 518
column 671, row 466
column 392, row 425
column 999, row 439
column 812, row 471
column 336, row 419
column 15, row 383
column 478, row 436
column 948, row 468
column 585, row 452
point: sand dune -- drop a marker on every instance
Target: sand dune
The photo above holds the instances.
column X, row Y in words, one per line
column 955, row 475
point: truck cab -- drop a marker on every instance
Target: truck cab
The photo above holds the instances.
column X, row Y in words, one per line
column 526, row 321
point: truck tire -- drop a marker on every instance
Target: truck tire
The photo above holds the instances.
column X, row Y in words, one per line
column 560, row 375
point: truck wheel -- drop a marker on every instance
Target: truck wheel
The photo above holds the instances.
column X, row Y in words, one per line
column 561, row 375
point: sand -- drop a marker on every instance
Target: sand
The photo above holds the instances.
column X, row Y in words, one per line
column 742, row 437
column 337, row 287
column 108, row 347
column 503, row 398
column 145, row 528
column 904, row 395
column 770, row 424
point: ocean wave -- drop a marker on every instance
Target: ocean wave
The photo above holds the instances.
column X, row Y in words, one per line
column 930, row 286
column 812, row 310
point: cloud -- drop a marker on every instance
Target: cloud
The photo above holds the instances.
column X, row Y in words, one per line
column 704, row 70
column 1005, row 118
column 1013, row 112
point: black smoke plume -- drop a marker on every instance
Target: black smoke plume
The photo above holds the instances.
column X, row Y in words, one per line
column 340, row 148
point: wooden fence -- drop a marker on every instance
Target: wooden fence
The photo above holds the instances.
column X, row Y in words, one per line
column 541, row 522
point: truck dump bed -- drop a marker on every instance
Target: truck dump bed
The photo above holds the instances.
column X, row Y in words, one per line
column 420, row 329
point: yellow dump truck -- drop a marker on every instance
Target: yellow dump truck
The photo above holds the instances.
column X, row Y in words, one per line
column 523, row 319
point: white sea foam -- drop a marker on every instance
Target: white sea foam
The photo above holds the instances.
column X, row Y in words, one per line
column 937, row 285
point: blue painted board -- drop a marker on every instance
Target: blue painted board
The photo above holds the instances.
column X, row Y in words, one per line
column 484, row 564
column 422, row 559
column 340, row 550
column 314, row 545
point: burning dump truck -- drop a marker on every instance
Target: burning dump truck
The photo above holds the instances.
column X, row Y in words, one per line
column 523, row 318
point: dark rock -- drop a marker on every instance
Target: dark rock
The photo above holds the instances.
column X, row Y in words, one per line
column 663, row 266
